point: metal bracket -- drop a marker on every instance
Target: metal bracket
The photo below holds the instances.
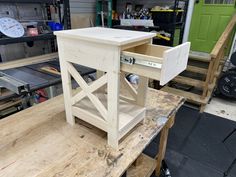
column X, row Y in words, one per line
column 131, row 61
column 127, row 60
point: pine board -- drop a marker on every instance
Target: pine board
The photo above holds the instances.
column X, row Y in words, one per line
column 39, row 142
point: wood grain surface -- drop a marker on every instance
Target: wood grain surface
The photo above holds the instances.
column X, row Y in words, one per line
column 39, row 142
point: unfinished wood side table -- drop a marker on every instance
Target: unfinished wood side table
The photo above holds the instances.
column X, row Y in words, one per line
column 105, row 49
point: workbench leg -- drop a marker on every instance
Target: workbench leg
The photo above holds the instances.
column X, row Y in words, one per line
column 163, row 143
column 67, row 91
column 113, row 90
column 52, row 91
column 202, row 108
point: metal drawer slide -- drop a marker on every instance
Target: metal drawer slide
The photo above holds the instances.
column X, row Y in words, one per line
column 131, row 61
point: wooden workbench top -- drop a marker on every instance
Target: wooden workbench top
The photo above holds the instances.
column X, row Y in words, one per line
column 39, row 142
column 106, row 35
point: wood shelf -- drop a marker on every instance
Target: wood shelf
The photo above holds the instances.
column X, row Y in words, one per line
column 144, row 167
column 6, row 40
column 129, row 114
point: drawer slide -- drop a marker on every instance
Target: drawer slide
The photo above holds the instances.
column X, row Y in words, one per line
column 131, row 61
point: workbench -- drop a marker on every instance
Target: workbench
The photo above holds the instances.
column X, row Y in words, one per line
column 39, row 142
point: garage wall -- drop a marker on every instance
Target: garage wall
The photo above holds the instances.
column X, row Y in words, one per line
column 82, row 13
column 82, row 6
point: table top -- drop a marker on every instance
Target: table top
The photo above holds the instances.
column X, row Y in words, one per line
column 106, row 35
column 39, row 142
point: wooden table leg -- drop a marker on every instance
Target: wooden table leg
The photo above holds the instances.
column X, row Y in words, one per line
column 163, row 143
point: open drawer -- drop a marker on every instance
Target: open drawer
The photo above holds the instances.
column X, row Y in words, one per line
column 156, row 62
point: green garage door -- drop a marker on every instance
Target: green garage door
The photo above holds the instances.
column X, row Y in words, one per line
column 209, row 20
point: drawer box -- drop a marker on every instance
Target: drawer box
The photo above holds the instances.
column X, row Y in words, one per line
column 155, row 61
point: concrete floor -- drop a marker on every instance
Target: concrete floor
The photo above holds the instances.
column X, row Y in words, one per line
column 222, row 108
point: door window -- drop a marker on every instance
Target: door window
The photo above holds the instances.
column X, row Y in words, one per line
column 219, row 1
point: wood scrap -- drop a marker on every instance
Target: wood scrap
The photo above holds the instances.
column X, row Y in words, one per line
column 28, row 61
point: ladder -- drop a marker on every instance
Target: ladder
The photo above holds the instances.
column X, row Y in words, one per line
column 104, row 11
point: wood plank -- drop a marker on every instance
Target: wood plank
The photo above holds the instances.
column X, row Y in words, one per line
column 189, row 81
column 89, row 117
column 8, row 104
column 153, row 73
column 144, row 168
column 190, row 96
column 151, row 49
column 66, row 85
column 199, row 56
column 106, row 35
column 28, row 61
column 50, row 70
column 196, row 69
column 39, row 142
column 142, row 91
column 113, row 90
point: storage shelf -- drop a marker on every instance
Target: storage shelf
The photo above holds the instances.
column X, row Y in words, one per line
column 7, row 40
column 164, row 25
column 129, row 114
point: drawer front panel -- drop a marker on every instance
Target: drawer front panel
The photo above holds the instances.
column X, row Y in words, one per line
column 174, row 62
column 156, row 62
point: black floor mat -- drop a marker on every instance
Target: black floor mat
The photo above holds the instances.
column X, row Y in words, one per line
column 199, row 145
column 205, row 144
column 183, row 166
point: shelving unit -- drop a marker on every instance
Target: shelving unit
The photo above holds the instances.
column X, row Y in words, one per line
column 49, row 36
column 6, row 40
column 173, row 24
column 169, row 27
column 27, row 1
column 19, row 75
